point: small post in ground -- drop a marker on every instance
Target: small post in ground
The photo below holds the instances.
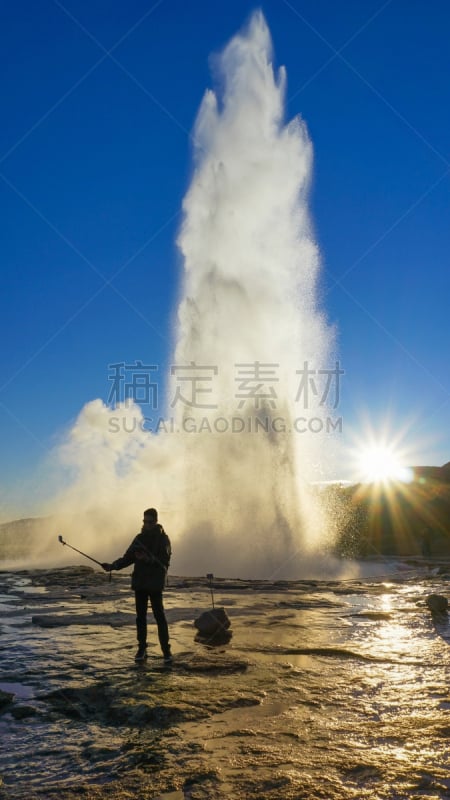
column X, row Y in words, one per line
column 210, row 577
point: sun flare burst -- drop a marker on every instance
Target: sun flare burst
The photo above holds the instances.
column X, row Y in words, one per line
column 381, row 457
column 380, row 463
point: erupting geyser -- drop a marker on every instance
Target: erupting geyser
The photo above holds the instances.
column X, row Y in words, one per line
column 249, row 309
column 250, row 343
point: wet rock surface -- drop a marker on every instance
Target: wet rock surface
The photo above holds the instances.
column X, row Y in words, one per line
column 327, row 689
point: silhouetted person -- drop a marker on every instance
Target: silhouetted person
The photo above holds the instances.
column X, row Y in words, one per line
column 150, row 553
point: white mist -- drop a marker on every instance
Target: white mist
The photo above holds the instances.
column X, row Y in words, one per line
column 235, row 502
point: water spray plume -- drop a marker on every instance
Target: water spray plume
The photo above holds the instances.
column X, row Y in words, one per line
column 249, row 298
column 236, row 474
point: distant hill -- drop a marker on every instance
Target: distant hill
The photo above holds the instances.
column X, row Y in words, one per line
column 439, row 474
column 17, row 536
column 397, row 518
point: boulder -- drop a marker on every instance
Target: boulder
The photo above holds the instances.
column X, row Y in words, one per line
column 212, row 622
column 437, row 603
column 6, row 698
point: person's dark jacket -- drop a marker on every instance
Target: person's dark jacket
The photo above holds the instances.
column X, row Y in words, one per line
column 150, row 553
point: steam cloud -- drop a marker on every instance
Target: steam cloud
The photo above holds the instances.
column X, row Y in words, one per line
column 236, row 503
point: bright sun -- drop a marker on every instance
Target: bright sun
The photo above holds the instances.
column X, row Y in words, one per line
column 380, row 464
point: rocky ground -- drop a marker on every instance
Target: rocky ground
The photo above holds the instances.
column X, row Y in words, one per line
column 324, row 689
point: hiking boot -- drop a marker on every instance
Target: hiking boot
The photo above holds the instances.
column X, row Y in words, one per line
column 141, row 654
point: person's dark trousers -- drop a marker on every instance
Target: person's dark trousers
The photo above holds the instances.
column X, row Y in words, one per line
column 156, row 601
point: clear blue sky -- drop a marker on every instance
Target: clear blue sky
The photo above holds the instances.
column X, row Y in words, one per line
column 97, row 103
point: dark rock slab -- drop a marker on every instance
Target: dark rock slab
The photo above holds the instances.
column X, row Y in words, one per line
column 21, row 712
